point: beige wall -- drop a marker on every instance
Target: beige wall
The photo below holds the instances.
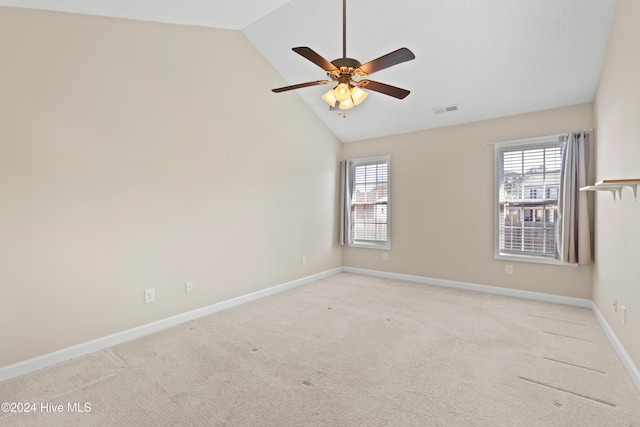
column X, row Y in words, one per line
column 617, row 113
column 442, row 195
column 131, row 157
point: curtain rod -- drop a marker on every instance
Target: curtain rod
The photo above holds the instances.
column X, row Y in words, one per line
column 526, row 139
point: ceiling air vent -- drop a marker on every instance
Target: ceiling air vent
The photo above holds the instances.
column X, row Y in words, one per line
column 445, row 109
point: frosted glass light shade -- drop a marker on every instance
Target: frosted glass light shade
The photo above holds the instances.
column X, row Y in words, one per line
column 346, row 104
column 358, row 95
column 342, row 92
column 329, row 98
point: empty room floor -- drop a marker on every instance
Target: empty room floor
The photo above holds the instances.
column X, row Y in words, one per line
column 348, row 350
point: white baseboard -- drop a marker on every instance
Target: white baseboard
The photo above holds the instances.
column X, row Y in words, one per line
column 538, row 296
column 50, row 359
column 631, row 368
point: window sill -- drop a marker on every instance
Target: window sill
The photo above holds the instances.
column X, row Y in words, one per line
column 371, row 245
column 533, row 259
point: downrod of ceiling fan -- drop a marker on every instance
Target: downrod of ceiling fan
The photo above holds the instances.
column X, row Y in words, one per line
column 344, row 61
column 344, row 28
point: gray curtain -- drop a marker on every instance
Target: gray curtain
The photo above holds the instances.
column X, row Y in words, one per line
column 345, row 201
column 573, row 237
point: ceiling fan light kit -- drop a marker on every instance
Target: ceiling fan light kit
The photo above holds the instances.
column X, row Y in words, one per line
column 349, row 74
column 344, row 96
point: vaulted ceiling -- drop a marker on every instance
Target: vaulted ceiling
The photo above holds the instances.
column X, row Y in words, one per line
column 490, row 58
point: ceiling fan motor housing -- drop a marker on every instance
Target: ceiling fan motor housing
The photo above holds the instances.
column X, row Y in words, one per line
column 346, row 68
column 346, row 62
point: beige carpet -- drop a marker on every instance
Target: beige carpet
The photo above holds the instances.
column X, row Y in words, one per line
column 349, row 350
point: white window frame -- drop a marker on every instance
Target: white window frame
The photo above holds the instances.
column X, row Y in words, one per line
column 498, row 148
column 361, row 243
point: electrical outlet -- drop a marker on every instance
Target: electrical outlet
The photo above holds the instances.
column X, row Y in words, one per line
column 624, row 315
column 508, row 269
column 615, row 304
column 385, row 256
column 149, row 295
column 303, row 261
column 188, row 287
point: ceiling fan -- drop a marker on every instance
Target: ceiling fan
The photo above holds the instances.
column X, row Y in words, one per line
column 350, row 74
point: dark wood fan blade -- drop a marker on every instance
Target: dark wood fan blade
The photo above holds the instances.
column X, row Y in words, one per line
column 314, row 57
column 396, row 57
column 300, row 85
column 396, row 92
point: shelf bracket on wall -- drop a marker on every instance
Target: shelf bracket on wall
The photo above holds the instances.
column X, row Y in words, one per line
column 615, row 186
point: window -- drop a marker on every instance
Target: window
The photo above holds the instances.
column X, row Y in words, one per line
column 527, row 186
column 367, row 202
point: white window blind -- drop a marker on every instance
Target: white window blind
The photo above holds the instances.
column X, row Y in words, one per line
column 528, row 185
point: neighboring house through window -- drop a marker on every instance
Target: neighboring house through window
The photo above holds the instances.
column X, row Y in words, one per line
column 527, row 186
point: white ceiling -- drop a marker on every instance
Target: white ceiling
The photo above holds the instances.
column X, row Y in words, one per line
column 493, row 58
